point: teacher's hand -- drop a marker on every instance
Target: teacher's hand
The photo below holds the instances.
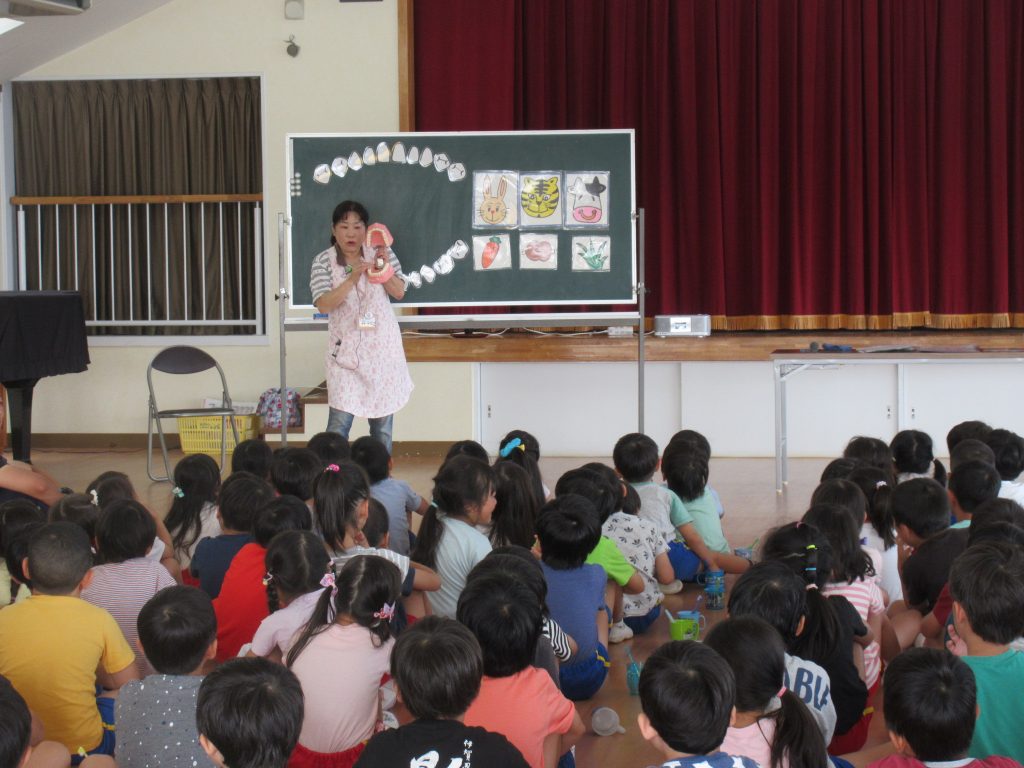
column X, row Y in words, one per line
column 357, row 270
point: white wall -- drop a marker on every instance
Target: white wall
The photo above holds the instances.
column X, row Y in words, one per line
column 345, row 79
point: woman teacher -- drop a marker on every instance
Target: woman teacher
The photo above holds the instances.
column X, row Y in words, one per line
column 367, row 375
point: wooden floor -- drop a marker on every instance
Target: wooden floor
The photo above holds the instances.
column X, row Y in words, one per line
column 747, row 490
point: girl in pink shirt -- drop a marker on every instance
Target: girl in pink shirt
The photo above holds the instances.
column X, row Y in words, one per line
column 296, row 563
column 340, row 657
column 772, row 726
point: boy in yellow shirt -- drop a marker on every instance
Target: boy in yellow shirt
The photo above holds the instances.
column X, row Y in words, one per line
column 55, row 648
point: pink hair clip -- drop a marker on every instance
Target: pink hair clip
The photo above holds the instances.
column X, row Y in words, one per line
column 781, row 692
column 332, row 468
column 328, row 581
column 386, row 613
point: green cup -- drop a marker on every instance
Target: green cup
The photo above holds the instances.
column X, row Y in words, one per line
column 686, row 625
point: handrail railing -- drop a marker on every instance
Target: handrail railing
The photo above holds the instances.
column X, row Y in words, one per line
column 134, row 199
column 148, row 261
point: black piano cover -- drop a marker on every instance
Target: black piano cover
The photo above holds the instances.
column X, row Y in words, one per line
column 42, row 333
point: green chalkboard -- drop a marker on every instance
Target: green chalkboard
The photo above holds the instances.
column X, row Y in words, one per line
column 429, row 190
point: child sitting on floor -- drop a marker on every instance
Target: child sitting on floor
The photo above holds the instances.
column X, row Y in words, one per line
column 398, row 498
column 242, row 602
column 437, row 667
column 636, row 460
column 125, row 579
column 240, row 496
column 688, row 697
column 987, row 585
column 296, row 564
column 249, row 712
column 567, row 531
column 193, row 513
column 516, row 699
column 55, row 648
column 156, row 719
column 622, row 576
column 339, row 657
column 930, row 710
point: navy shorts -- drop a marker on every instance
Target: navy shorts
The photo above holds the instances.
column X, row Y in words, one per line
column 585, row 678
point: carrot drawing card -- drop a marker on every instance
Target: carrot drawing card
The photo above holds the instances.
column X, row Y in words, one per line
column 492, row 252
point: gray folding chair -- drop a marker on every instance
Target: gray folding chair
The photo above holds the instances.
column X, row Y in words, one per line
column 179, row 361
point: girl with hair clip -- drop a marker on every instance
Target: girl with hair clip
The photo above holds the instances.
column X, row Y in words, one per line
column 851, row 577
column 339, row 657
column 448, row 540
column 879, row 532
column 912, row 457
column 850, row 498
column 832, row 629
column 515, row 509
column 296, row 565
column 522, row 448
column 772, row 725
column 193, row 512
column 113, row 485
column 341, row 503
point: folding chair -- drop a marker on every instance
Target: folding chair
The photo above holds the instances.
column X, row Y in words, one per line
column 182, row 360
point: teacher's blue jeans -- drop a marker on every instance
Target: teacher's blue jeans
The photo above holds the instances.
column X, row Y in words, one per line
column 341, row 422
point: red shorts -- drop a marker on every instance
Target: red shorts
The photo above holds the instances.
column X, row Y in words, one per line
column 307, row 758
column 854, row 739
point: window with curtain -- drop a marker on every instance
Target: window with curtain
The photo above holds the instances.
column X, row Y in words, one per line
column 146, row 196
column 802, row 164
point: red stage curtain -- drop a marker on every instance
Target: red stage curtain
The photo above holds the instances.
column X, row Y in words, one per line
column 801, row 163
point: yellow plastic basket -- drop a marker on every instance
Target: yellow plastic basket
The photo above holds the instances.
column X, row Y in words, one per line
column 201, row 434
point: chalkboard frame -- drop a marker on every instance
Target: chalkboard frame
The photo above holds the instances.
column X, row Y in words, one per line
column 620, row 289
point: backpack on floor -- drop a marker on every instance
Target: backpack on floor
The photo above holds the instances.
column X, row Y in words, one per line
column 271, row 406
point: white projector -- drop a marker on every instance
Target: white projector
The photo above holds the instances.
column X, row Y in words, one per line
column 682, row 325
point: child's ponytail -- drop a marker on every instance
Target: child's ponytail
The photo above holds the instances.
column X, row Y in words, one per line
column 337, row 493
column 462, row 481
column 196, row 482
column 756, row 653
column 805, row 551
column 366, row 591
column 296, row 562
column 798, row 739
column 877, row 489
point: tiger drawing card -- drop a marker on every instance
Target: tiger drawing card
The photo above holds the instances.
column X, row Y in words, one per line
column 540, row 199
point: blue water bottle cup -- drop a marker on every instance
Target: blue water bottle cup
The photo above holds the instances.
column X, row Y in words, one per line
column 714, row 590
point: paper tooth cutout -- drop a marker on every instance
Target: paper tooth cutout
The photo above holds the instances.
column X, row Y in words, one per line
column 383, row 153
column 339, row 166
column 414, row 279
column 459, row 250
column 441, row 162
column 398, row 152
column 456, row 172
column 426, row 157
column 444, row 265
column 428, row 274
column 412, row 156
column 355, row 162
column 322, row 173
column 369, row 156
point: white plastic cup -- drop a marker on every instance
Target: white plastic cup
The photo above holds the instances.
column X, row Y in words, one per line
column 604, row 721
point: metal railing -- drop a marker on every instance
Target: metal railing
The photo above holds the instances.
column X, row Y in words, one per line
column 148, row 261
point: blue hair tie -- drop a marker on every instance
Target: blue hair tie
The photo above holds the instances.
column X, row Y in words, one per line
column 510, row 446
